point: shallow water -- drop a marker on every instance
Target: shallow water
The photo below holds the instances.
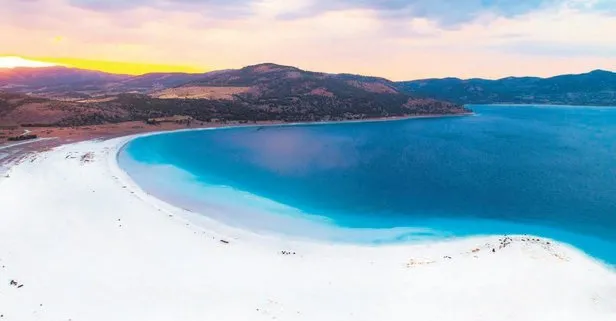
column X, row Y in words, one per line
column 548, row 171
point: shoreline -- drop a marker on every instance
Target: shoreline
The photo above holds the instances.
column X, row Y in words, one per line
column 383, row 237
column 101, row 237
column 16, row 151
column 373, row 120
column 542, row 105
column 109, row 131
column 125, row 139
column 37, row 140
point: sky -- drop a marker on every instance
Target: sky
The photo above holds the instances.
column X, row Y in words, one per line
column 396, row 39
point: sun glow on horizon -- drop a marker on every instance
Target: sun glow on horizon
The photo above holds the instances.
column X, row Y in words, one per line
column 121, row 67
column 16, row 62
column 115, row 67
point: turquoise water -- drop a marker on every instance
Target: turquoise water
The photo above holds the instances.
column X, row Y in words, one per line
column 547, row 171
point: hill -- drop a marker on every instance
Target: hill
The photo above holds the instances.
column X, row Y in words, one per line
column 74, row 84
column 56, row 81
column 24, row 110
column 59, row 96
column 594, row 88
column 297, row 95
column 152, row 82
column 269, row 80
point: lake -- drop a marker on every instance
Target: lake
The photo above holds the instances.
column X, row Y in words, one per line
column 546, row 171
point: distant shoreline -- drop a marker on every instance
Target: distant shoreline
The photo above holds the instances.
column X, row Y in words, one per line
column 64, row 135
column 69, row 135
column 542, row 105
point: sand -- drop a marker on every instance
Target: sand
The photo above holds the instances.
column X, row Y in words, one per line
column 80, row 241
column 201, row 92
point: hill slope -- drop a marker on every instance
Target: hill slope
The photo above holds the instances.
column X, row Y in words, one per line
column 265, row 92
column 56, row 81
column 74, row 84
column 24, row 110
column 594, row 88
column 298, row 95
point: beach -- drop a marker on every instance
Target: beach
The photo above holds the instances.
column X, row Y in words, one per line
column 80, row 241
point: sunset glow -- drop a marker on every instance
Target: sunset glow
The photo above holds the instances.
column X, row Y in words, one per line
column 14, row 62
column 130, row 68
column 394, row 39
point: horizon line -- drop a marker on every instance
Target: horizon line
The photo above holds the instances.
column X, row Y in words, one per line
column 169, row 69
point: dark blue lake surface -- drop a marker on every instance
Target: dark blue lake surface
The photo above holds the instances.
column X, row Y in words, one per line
column 548, row 171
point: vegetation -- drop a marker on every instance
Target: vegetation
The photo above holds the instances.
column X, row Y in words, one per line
column 21, row 137
column 274, row 93
column 281, row 108
column 594, row 88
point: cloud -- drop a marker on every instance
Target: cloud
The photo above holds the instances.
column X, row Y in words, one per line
column 395, row 39
column 557, row 49
column 597, row 6
column 445, row 13
column 222, row 8
column 448, row 13
column 124, row 4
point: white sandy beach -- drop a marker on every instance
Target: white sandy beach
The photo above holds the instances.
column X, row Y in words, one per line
column 79, row 241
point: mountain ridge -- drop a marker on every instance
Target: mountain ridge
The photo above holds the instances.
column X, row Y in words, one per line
column 597, row 87
column 262, row 92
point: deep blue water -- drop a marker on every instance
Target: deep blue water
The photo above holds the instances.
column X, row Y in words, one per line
column 548, row 171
